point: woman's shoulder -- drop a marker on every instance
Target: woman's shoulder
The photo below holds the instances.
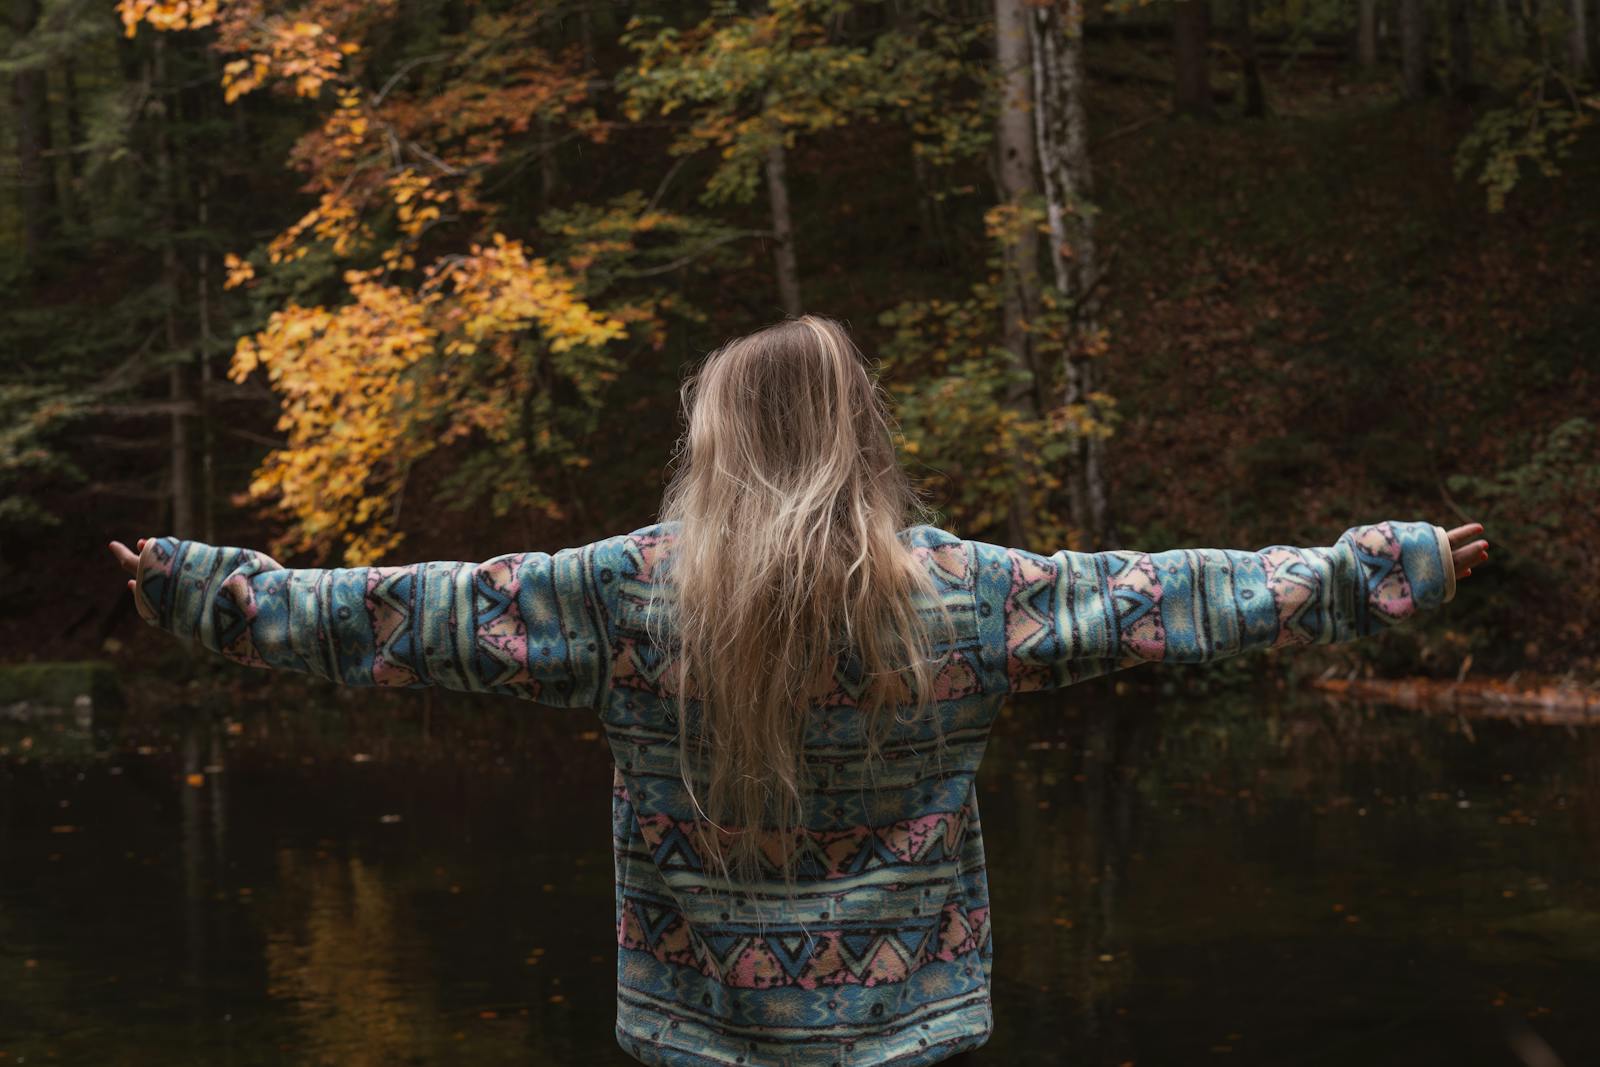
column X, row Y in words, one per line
column 929, row 536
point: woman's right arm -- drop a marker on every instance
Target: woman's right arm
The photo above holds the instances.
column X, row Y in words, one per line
column 1074, row 615
column 526, row 624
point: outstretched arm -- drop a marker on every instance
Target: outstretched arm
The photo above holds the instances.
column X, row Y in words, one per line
column 528, row 624
column 1072, row 615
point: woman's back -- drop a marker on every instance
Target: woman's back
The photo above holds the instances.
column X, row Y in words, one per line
column 880, row 951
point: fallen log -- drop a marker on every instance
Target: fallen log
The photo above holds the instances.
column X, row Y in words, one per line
column 1553, row 702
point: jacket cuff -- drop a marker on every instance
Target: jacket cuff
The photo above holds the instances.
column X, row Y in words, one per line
column 1445, row 560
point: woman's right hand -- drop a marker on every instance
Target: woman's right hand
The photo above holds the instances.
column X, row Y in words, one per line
column 127, row 560
column 1467, row 549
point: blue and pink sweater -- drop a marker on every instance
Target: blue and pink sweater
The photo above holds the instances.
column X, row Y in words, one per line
column 882, row 954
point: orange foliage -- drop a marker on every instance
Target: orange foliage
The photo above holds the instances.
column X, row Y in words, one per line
column 373, row 386
column 409, row 362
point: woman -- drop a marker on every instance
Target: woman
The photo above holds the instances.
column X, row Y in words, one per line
column 796, row 689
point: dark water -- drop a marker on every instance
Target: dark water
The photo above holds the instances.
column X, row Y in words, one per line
column 399, row 880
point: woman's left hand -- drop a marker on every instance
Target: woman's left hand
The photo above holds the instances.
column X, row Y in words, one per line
column 1465, row 552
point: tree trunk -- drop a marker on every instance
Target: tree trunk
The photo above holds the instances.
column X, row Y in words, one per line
column 208, row 441
column 1413, row 49
column 1062, row 129
column 930, row 210
column 1528, row 16
column 1255, row 96
column 1461, row 47
column 1593, row 23
column 1367, row 33
column 1017, row 161
column 549, row 173
column 30, row 109
column 930, row 207
column 76, row 137
column 586, row 35
column 1592, row 20
column 181, row 459
column 782, row 228
column 1503, row 33
column 1191, row 30
column 1577, row 39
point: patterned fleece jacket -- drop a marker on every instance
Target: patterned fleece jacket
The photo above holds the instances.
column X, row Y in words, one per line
column 882, row 953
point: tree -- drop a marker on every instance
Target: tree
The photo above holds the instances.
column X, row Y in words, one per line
column 1061, row 124
column 1255, row 96
column 753, row 83
column 1577, row 39
column 488, row 341
column 1413, row 49
column 30, row 106
column 1017, row 167
column 1459, row 14
column 1191, row 32
column 1367, row 33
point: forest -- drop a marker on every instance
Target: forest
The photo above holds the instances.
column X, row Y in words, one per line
column 384, row 281
column 361, row 282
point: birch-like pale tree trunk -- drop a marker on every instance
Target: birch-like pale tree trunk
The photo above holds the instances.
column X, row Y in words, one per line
column 1016, row 170
column 782, row 228
column 1062, row 129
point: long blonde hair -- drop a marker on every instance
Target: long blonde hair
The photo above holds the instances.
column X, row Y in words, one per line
column 788, row 499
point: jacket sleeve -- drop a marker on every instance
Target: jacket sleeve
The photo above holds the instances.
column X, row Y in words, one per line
column 1050, row 621
column 528, row 625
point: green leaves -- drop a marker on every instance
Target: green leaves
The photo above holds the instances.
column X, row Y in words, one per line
column 1536, row 131
column 742, row 81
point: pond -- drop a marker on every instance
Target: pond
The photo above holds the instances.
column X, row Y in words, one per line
column 402, row 878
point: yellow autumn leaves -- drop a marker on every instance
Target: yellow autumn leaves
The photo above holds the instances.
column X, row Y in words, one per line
column 179, row 15
column 298, row 51
column 371, row 387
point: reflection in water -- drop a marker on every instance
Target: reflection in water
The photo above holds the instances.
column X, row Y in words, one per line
column 336, row 948
column 1257, row 880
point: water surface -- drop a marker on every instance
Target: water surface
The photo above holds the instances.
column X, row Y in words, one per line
column 399, row 878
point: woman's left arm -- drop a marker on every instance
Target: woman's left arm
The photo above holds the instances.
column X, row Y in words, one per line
column 528, row 624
